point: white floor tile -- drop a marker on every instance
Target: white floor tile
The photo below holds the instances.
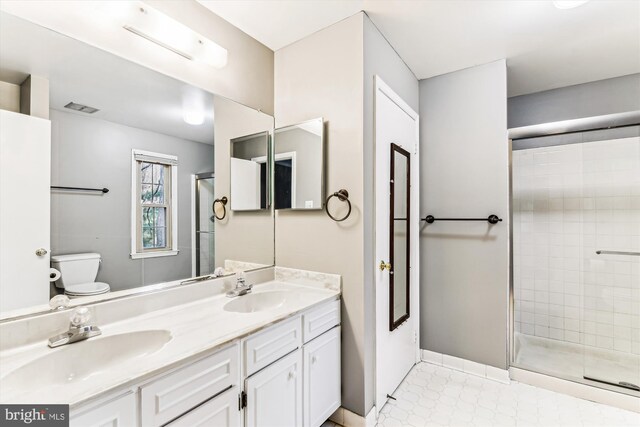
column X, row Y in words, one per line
column 438, row 396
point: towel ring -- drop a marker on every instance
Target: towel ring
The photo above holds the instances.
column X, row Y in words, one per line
column 224, row 201
column 343, row 196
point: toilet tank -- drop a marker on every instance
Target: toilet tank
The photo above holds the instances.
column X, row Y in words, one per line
column 76, row 268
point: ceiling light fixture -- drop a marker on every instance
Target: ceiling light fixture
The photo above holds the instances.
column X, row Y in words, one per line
column 153, row 25
column 569, row 4
column 193, row 107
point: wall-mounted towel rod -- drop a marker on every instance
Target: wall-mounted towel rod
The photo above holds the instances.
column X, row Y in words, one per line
column 491, row 219
column 101, row 190
column 617, row 253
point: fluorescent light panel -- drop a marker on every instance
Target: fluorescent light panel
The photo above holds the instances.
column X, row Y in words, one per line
column 153, row 25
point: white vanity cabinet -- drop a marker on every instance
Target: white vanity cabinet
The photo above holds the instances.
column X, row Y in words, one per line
column 274, row 395
column 287, row 374
column 322, row 377
column 117, row 412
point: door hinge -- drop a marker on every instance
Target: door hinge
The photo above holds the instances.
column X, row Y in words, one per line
column 242, row 400
column 415, row 337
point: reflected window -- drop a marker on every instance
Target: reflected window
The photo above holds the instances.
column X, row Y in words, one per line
column 154, row 176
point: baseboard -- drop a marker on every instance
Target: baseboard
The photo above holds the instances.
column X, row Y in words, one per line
column 582, row 391
column 346, row 418
column 467, row 366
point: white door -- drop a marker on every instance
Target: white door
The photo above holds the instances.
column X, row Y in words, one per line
column 245, row 185
column 322, row 377
column 274, row 394
column 396, row 125
column 25, row 176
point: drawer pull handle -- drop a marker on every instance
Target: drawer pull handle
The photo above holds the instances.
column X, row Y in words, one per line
column 292, row 375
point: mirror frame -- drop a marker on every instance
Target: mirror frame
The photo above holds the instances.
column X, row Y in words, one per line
column 322, row 165
column 393, row 324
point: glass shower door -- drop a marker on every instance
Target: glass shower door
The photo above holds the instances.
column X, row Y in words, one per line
column 205, row 224
column 611, row 263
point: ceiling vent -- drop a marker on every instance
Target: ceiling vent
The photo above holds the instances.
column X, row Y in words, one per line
column 81, row 108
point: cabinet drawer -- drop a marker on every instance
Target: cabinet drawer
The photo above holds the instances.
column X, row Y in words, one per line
column 270, row 345
column 221, row 411
column 176, row 393
column 320, row 320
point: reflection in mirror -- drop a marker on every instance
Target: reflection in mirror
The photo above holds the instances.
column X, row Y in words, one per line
column 399, row 233
column 250, row 172
column 299, row 166
column 147, row 139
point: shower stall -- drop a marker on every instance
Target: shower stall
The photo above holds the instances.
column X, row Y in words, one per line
column 575, row 293
column 204, row 224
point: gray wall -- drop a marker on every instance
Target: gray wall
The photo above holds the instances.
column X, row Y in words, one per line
column 89, row 152
column 464, row 163
column 608, row 96
column 379, row 58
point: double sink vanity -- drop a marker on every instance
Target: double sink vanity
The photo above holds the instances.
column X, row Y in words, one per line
column 195, row 357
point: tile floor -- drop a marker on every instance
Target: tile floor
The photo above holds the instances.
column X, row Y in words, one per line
column 436, row 396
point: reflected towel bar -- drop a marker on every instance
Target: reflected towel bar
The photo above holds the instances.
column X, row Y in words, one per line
column 491, row 219
column 101, row 190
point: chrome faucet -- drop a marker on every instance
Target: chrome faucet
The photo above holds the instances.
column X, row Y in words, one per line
column 79, row 329
column 241, row 287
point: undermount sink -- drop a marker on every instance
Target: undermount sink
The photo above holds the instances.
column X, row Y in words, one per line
column 258, row 301
column 78, row 361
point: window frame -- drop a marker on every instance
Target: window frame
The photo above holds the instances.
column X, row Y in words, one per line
column 137, row 249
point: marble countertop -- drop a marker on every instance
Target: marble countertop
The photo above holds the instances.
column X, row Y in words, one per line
column 197, row 329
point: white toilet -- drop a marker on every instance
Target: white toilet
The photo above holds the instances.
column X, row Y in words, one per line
column 78, row 274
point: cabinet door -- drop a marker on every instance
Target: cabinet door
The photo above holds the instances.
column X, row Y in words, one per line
column 274, row 394
column 322, row 376
column 120, row 412
column 25, row 176
column 221, row 411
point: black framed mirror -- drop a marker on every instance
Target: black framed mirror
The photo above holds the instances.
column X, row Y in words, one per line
column 399, row 242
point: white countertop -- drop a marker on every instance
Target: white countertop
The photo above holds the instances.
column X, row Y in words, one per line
column 197, row 328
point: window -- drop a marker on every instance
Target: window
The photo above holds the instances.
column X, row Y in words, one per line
column 153, row 205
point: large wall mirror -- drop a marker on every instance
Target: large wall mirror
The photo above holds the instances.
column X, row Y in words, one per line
column 117, row 192
column 399, row 244
column 298, row 163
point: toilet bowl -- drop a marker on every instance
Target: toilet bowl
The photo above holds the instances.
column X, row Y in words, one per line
column 78, row 273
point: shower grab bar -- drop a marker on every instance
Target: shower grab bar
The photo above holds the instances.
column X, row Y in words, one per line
column 617, row 253
column 491, row 219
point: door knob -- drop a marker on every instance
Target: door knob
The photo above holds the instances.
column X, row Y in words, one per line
column 41, row 251
column 385, row 266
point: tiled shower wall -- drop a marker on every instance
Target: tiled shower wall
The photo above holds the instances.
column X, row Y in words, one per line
column 568, row 202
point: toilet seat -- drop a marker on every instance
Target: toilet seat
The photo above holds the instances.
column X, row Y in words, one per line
column 86, row 289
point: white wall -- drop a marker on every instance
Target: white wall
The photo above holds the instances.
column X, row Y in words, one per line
column 464, row 161
column 321, row 76
column 568, row 202
column 9, row 97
